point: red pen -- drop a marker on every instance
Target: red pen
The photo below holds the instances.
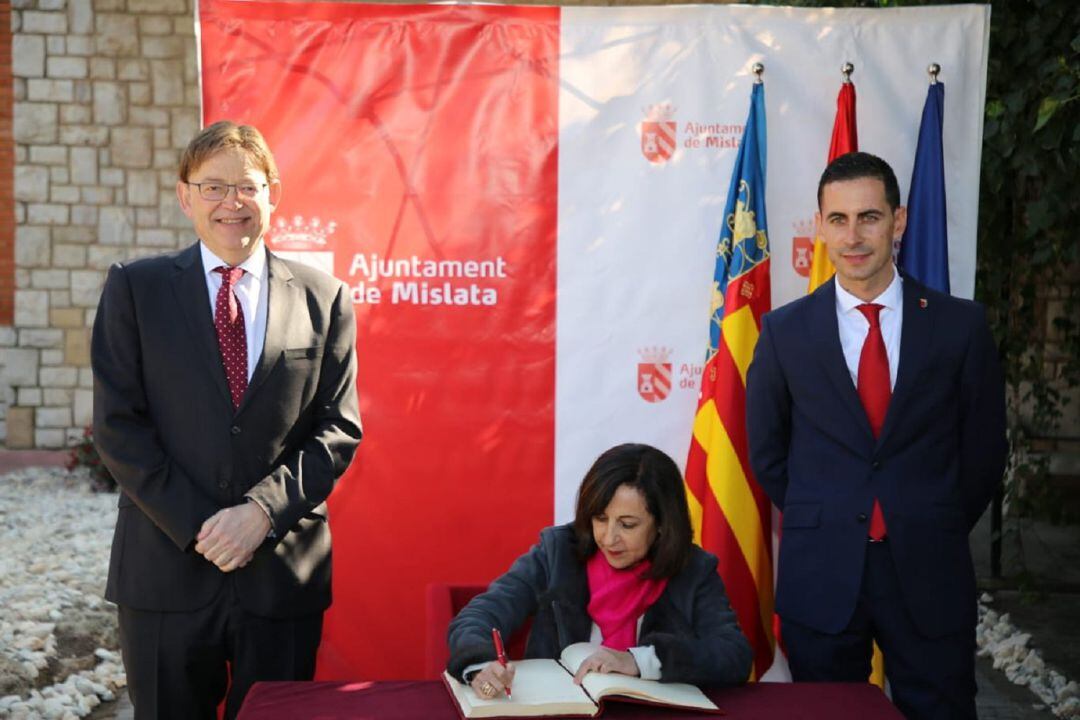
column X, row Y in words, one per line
column 500, row 654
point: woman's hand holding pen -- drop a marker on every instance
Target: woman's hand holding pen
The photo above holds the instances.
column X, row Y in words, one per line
column 493, row 680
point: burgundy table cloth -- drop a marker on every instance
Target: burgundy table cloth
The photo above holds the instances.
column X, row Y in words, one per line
column 429, row 700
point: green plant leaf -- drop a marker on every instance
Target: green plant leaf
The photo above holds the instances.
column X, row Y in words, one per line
column 1047, row 108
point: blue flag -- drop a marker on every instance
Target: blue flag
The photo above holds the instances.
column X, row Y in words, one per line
column 924, row 249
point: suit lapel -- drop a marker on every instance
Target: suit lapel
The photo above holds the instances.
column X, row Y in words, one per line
column 824, row 331
column 192, row 297
column 915, row 334
column 281, row 295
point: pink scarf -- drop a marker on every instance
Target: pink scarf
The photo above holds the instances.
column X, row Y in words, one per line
column 618, row 598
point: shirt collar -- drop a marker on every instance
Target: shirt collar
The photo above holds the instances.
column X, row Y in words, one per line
column 891, row 297
column 255, row 265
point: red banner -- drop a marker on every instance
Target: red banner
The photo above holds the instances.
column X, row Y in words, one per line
column 419, row 162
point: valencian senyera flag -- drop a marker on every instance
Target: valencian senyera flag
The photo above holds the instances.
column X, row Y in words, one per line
column 845, row 139
column 731, row 514
column 924, row 249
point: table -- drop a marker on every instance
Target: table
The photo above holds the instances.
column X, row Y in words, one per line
column 429, row 700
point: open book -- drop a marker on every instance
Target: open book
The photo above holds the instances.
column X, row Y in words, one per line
column 545, row 688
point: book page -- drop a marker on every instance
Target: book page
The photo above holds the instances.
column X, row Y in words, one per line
column 541, row 687
column 600, row 685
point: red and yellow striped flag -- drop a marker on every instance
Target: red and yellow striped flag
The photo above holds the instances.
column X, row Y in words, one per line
column 731, row 514
column 845, row 139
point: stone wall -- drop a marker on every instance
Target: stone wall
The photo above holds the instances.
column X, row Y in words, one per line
column 106, row 96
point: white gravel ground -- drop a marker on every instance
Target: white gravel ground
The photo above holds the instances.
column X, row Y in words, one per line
column 59, row 653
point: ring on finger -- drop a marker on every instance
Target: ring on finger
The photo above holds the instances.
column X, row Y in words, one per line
column 487, row 688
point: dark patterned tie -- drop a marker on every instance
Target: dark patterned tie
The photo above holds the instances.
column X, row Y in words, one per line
column 232, row 340
column 875, row 391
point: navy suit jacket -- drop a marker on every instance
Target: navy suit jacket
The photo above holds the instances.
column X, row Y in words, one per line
column 166, row 429
column 935, row 466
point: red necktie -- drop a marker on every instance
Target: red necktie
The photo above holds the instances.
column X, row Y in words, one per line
column 875, row 391
column 232, row 339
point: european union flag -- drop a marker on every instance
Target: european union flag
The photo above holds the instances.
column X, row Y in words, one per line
column 924, row 249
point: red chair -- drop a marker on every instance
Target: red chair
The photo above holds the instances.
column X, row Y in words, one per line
column 442, row 603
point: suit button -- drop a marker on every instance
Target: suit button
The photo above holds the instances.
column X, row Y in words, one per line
column 861, row 517
column 223, row 484
column 235, row 429
column 876, row 465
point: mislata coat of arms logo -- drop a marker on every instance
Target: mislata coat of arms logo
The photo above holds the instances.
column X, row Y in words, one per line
column 305, row 241
column 654, row 374
column 802, row 247
column 659, row 132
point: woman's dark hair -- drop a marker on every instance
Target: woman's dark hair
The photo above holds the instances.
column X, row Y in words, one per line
column 657, row 478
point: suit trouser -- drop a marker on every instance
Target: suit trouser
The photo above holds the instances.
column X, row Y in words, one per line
column 928, row 677
column 179, row 663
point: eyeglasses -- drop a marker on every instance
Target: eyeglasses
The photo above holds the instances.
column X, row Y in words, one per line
column 214, row 191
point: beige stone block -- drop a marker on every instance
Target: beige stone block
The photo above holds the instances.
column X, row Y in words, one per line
column 31, row 308
column 72, row 234
column 109, row 103
column 75, row 114
column 131, row 147
column 66, row 317
column 52, row 417
column 67, row 67
column 86, row 287
column 167, row 82
column 185, row 125
column 133, row 69
column 84, row 165
column 48, row 154
column 58, row 396
column 86, row 375
column 29, row 397
column 97, row 195
column 41, row 338
column 117, row 34
column 156, row 6
column 108, row 5
column 146, row 217
column 102, row 68
column 167, row 160
column 46, row 23
column 161, row 138
column 84, row 91
column 8, row 336
column 80, row 17
column 31, row 246
column 139, row 93
column 142, row 188
column 170, row 213
column 155, row 237
column 31, row 183
column 155, row 25
column 19, row 366
column 46, row 214
column 51, row 4
column 49, row 438
column 20, row 428
column 163, row 47
column 59, row 377
column 59, row 174
column 116, row 226
column 27, row 56
column 83, row 407
column 48, row 90
column 112, row 177
column 84, row 215
column 82, row 46
column 55, row 45
column 22, row 278
column 183, row 26
column 100, row 257
column 77, row 347
column 152, row 116
column 84, row 135
column 64, row 194
column 52, row 357
column 36, row 123
column 51, row 279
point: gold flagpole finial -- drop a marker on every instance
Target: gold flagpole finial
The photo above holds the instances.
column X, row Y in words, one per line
column 933, row 69
column 758, row 69
column 846, row 70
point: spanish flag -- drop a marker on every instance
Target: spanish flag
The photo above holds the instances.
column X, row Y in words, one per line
column 731, row 514
column 845, row 139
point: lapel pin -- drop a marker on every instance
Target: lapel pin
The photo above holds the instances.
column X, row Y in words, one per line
column 923, row 303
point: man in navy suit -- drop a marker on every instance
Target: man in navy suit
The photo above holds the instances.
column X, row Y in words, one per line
column 876, row 420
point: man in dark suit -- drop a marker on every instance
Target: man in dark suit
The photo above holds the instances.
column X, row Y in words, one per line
column 876, row 421
column 225, row 406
